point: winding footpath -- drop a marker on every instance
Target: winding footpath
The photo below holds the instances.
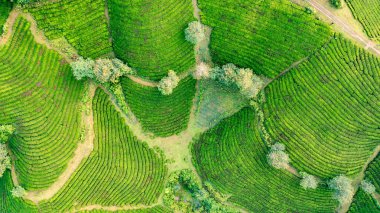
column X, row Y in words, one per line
column 83, row 150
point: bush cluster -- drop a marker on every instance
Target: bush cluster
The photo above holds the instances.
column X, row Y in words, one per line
column 5, row 132
column 344, row 191
column 277, row 156
column 167, row 84
column 195, row 32
column 18, row 191
column 184, row 181
column 367, row 186
column 244, row 79
column 5, row 161
column 309, row 181
column 102, row 70
column 336, row 3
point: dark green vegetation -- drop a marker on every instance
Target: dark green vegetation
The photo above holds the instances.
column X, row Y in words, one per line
column 336, row 3
column 9, row 203
column 120, row 170
column 41, row 98
column 82, row 22
column 5, row 8
column 266, row 36
column 149, row 35
column 367, row 12
column 364, row 203
column 157, row 113
column 326, row 111
column 233, row 157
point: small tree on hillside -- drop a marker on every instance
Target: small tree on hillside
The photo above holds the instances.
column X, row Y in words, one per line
column 344, row 191
column 83, row 68
column 5, row 132
column 5, row 161
column 336, row 3
column 202, row 71
column 277, row 156
column 195, row 32
column 167, row 84
column 309, row 181
column 18, row 191
column 367, row 186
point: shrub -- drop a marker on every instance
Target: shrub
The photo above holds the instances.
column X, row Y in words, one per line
column 277, row 156
column 83, row 68
column 309, row 181
column 102, row 70
column 5, row 161
column 245, row 80
column 336, row 3
column 202, row 71
column 195, row 32
column 18, row 191
column 344, row 191
column 367, row 186
column 167, row 84
column 5, row 132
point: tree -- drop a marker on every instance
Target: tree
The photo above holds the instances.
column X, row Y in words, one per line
column 202, row 71
column 83, row 68
column 5, row 161
column 5, row 132
column 336, row 3
column 344, row 191
column 367, row 186
column 18, row 191
column 195, row 32
column 167, row 84
column 277, row 156
column 309, row 181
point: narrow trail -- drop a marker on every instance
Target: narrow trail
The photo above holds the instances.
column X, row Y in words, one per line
column 358, row 179
column 343, row 23
column 83, row 150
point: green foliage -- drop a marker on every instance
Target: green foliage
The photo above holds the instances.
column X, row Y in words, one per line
column 364, row 203
column 160, row 114
column 5, row 8
column 195, row 32
column 277, row 157
column 156, row 209
column 344, row 191
column 266, row 36
column 184, row 193
column 245, row 80
column 40, row 96
column 326, row 110
column 336, row 3
column 169, row 83
column 10, row 204
column 5, row 132
column 149, row 35
column 233, row 158
column 120, row 170
column 309, row 181
column 367, row 12
column 102, row 70
column 367, row 187
column 18, row 191
column 81, row 22
column 5, row 160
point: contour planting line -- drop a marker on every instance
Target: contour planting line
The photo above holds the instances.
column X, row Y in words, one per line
column 82, row 151
column 356, row 182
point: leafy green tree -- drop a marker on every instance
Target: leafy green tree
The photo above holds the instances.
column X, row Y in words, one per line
column 5, row 132
column 344, row 191
column 18, row 191
column 367, row 186
column 309, row 181
column 195, row 32
column 83, row 68
column 277, row 156
column 167, row 84
column 336, row 3
column 5, row 161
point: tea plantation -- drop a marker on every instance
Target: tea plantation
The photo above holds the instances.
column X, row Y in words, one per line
column 212, row 106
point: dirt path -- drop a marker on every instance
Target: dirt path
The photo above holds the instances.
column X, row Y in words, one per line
column 83, row 150
column 345, row 23
column 196, row 10
column 359, row 178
